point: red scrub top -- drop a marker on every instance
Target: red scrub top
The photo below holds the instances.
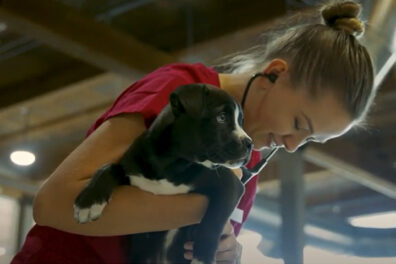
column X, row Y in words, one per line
column 147, row 96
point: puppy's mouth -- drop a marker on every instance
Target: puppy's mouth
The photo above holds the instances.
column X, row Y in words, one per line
column 237, row 163
column 223, row 159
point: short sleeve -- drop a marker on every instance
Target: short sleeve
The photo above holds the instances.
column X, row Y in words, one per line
column 147, row 96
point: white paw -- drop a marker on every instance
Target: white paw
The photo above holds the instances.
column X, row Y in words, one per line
column 84, row 215
column 196, row 261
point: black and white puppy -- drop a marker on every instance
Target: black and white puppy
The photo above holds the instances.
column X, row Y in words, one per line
column 190, row 148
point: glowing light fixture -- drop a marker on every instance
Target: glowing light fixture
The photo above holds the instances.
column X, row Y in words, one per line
column 22, row 157
column 3, row 26
column 379, row 220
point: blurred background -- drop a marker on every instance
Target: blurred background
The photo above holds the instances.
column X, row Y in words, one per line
column 62, row 63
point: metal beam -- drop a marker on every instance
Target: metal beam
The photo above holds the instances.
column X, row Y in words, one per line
column 330, row 234
column 350, row 172
column 63, row 28
column 13, row 183
column 292, row 201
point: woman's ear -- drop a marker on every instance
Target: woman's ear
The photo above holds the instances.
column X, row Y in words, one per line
column 274, row 68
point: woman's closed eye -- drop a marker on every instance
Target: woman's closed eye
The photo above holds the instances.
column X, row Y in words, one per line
column 298, row 126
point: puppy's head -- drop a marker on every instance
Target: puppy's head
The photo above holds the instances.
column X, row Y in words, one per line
column 208, row 126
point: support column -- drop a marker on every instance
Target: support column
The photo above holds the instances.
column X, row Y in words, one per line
column 292, row 203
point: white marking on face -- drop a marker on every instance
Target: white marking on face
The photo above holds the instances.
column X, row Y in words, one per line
column 162, row 186
column 238, row 131
column 207, row 164
column 233, row 165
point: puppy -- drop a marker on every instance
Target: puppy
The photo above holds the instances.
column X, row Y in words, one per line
column 191, row 147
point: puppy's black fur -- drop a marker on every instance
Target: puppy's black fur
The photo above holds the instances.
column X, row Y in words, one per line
column 190, row 147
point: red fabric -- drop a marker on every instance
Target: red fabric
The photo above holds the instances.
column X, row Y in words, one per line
column 147, row 96
column 45, row 245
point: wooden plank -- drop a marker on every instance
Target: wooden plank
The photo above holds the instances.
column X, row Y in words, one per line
column 51, row 81
column 65, row 29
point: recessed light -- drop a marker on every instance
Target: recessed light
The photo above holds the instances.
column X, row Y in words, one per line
column 3, row 26
column 22, row 157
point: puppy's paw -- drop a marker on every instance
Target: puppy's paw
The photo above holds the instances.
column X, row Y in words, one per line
column 196, row 261
column 88, row 214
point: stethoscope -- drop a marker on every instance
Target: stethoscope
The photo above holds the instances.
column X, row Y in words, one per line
column 248, row 174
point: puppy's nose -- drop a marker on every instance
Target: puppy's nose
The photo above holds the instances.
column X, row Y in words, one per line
column 247, row 142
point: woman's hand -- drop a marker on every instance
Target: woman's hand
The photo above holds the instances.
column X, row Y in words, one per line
column 229, row 250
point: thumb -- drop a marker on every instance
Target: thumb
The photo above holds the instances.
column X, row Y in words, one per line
column 237, row 172
column 228, row 229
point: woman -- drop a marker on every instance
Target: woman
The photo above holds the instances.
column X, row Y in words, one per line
column 316, row 83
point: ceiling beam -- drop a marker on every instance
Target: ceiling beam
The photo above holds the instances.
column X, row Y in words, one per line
column 54, row 79
column 65, row 29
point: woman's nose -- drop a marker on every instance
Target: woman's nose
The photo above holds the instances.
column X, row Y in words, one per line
column 293, row 142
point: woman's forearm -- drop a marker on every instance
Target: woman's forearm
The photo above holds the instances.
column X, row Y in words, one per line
column 130, row 210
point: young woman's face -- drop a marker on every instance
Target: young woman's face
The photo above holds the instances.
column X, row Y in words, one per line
column 280, row 115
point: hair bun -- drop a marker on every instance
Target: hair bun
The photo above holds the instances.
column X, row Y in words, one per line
column 343, row 15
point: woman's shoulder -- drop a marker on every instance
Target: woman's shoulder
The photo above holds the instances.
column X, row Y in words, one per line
column 190, row 72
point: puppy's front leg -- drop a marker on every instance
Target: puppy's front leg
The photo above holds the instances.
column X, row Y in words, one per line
column 89, row 204
column 223, row 198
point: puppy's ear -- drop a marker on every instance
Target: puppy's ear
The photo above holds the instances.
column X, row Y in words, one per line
column 189, row 99
column 176, row 104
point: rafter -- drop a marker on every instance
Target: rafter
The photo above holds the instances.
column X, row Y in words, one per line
column 65, row 29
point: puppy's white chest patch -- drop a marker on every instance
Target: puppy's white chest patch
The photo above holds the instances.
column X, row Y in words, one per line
column 162, row 186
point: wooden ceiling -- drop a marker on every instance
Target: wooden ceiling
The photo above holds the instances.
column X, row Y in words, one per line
column 62, row 63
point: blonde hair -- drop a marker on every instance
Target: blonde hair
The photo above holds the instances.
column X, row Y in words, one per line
column 322, row 52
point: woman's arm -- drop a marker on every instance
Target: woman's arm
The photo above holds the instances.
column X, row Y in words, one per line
column 130, row 210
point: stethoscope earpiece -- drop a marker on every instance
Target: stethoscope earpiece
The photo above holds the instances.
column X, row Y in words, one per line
column 272, row 77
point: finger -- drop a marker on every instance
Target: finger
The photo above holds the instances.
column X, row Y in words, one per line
column 227, row 243
column 189, row 245
column 188, row 255
column 238, row 172
column 228, row 229
column 232, row 256
column 227, row 256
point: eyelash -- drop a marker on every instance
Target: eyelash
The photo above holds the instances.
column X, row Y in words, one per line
column 297, row 127
column 296, row 123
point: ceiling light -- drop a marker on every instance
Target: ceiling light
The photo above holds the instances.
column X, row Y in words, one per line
column 22, row 157
column 2, row 251
column 379, row 220
column 3, row 26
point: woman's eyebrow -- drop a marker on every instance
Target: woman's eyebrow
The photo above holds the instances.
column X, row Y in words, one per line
column 311, row 129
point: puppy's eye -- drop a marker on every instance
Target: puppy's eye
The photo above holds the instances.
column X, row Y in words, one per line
column 221, row 118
